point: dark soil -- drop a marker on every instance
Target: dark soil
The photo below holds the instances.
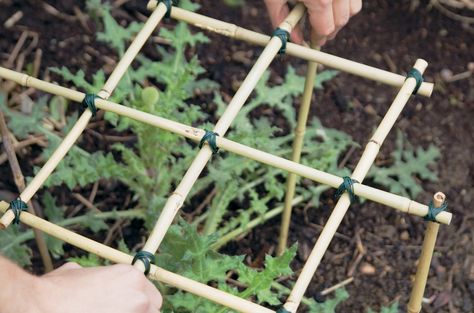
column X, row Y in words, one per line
column 386, row 34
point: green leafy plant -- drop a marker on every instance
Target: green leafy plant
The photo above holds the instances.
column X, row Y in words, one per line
column 244, row 191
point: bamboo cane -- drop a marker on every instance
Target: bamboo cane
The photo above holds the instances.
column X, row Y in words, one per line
column 19, row 180
column 361, row 170
column 175, row 201
column 391, row 200
column 296, row 156
column 156, row 273
column 423, row 268
column 308, row 54
column 83, row 120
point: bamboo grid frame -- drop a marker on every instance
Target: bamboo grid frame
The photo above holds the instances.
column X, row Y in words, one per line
column 272, row 46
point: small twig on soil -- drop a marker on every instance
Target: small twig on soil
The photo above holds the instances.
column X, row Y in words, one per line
column 86, row 202
column 204, row 203
column 55, row 12
column 94, row 190
column 20, row 183
column 343, row 283
column 83, row 18
column 37, row 62
column 13, row 19
column 359, row 255
column 347, row 157
column 16, row 50
column 40, row 140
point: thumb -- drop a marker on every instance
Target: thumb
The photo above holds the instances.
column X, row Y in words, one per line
column 278, row 10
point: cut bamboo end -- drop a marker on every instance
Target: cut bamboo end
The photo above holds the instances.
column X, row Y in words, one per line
column 421, row 66
column 439, row 198
column 424, row 263
column 151, row 5
column 7, row 219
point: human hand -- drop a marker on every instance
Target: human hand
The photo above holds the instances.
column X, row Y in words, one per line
column 326, row 17
column 110, row 289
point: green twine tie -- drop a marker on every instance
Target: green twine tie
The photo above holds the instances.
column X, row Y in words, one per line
column 89, row 102
column 17, row 206
column 434, row 211
column 169, row 6
column 210, row 138
column 414, row 73
column 147, row 259
column 284, row 37
column 347, row 186
column 282, row 310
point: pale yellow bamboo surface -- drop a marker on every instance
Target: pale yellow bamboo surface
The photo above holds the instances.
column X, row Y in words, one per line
column 296, row 155
column 391, row 200
column 361, row 170
column 156, row 273
column 83, row 120
column 423, row 268
column 175, row 201
column 308, row 54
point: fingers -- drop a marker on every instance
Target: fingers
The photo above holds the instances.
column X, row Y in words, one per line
column 154, row 295
column 356, row 6
column 341, row 11
column 321, row 18
column 278, row 11
column 64, row 268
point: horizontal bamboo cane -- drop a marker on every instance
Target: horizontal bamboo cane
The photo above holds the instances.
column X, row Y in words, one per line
column 175, row 201
column 156, row 273
column 391, row 200
column 308, row 54
column 83, row 120
column 423, row 268
column 296, row 155
column 361, row 170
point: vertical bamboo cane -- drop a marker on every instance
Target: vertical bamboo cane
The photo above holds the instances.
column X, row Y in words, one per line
column 83, row 120
column 361, row 170
column 175, row 201
column 296, row 156
column 423, row 268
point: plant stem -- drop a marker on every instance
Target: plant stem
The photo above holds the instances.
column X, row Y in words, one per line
column 28, row 235
column 245, row 228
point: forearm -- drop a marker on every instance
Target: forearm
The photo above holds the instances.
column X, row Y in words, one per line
column 16, row 288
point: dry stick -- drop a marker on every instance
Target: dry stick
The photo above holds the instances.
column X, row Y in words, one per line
column 361, row 170
column 175, row 201
column 297, row 147
column 306, row 53
column 81, row 123
column 386, row 198
column 20, row 184
column 423, row 268
column 156, row 273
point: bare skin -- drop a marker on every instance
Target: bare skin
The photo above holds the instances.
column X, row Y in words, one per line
column 326, row 17
column 73, row 289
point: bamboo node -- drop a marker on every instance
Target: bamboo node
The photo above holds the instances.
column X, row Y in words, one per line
column 210, row 138
column 416, row 74
column 433, row 211
column 89, row 102
column 17, row 206
column 347, row 186
column 147, row 258
column 24, row 80
column 284, row 36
